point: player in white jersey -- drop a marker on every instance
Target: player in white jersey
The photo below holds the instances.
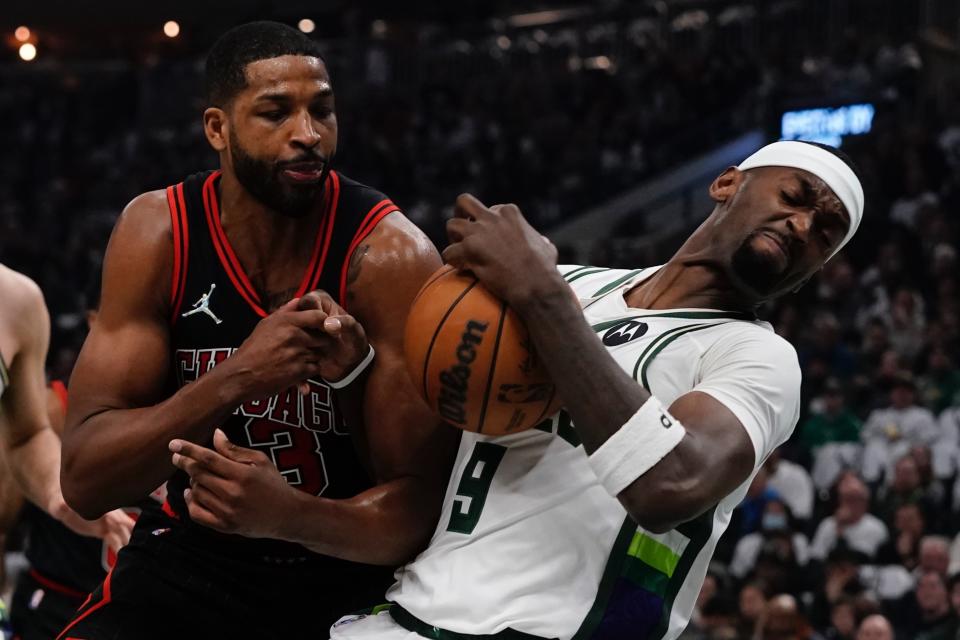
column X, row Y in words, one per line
column 600, row 523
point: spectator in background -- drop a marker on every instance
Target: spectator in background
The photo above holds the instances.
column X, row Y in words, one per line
column 939, row 386
column 889, row 433
column 834, row 422
column 905, row 488
column 875, row 627
column 906, row 323
column 903, row 548
column 783, row 620
column 840, row 579
column 832, row 436
column 759, row 493
column 753, row 603
column 850, row 522
column 953, row 585
column 843, row 620
column 826, row 347
column 793, row 484
column 934, row 556
column 927, row 614
column 777, row 536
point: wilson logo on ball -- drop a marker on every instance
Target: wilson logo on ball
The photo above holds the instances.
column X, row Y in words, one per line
column 454, row 380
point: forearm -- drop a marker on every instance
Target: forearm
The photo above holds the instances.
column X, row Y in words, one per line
column 597, row 393
column 115, row 457
column 35, row 463
column 386, row 525
column 601, row 397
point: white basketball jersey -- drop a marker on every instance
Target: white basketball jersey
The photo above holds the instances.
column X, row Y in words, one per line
column 530, row 545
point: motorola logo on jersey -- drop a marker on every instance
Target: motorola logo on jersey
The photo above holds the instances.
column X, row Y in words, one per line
column 624, row 332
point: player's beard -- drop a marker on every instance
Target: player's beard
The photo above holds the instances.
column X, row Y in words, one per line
column 262, row 180
column 756, row 270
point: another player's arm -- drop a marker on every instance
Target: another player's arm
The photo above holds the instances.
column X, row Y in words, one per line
column 119, row 419
column 32, row 448
column 714, row 457
column 409, row 450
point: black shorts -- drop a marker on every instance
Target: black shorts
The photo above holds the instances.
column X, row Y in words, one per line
column 39, row 610
column 163, row 586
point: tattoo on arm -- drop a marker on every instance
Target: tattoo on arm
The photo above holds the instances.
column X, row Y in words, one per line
column 353, row 271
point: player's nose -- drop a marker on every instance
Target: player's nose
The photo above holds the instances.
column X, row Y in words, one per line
column 305, row 133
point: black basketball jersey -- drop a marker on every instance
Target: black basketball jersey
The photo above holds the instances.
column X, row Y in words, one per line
column 215, row 308
column 66, row 561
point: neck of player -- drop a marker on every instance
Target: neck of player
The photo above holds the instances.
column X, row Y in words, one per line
column 694, row 278
column 268, row 244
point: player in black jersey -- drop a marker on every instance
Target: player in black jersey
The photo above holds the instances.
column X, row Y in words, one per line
column 207, row 321
column 65, row 567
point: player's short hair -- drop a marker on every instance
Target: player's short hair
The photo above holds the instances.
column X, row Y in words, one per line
column 225, row 69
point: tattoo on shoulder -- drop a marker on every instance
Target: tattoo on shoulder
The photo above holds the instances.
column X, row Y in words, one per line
column 356, row 260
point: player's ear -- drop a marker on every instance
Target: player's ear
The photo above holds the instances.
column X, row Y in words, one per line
column 726, row 184
column 215, row 128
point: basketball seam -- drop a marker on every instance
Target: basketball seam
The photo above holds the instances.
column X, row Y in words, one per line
column 433, row 340
column 493, row 367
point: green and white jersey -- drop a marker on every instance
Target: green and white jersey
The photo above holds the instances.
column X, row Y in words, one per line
column 530, row 545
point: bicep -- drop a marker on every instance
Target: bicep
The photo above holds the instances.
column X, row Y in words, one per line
column 125, row 359
column 402, row 435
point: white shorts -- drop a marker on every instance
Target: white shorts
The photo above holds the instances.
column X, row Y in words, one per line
column 370, row 627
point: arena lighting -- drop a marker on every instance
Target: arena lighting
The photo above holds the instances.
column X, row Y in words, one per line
column 171, row 28
column 306, row 25
column 28, row 52
column 22, row 34
column 827, row 125
column 503, row 42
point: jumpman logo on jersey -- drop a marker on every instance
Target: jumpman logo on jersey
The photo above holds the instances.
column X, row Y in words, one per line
column 203, row 305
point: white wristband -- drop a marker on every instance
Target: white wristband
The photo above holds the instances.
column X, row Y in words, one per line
column 649, row 435
column 353, row 375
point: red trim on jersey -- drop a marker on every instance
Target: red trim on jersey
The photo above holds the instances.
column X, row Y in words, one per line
column 177, row 257
column 53, row 585
column 220, row 242
column 185, row 251
column 325, row 232
column 370, row 221
column 167, row 508
column 229, row 258
column 103, row 602
column 61, row 390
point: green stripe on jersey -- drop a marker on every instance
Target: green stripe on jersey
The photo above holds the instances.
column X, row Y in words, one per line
column 653, row 553
column 585, row 273
column 616, row 283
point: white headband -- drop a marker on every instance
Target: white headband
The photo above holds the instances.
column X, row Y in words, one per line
column 832, row 170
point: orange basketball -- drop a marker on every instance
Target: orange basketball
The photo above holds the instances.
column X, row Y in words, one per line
column 472, row 360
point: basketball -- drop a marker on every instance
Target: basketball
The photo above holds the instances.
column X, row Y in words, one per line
column 472, row 360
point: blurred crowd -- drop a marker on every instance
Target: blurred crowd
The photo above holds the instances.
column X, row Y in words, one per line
column 850, row 530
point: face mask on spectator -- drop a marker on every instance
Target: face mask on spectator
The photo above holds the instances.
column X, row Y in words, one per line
column 774, row 521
